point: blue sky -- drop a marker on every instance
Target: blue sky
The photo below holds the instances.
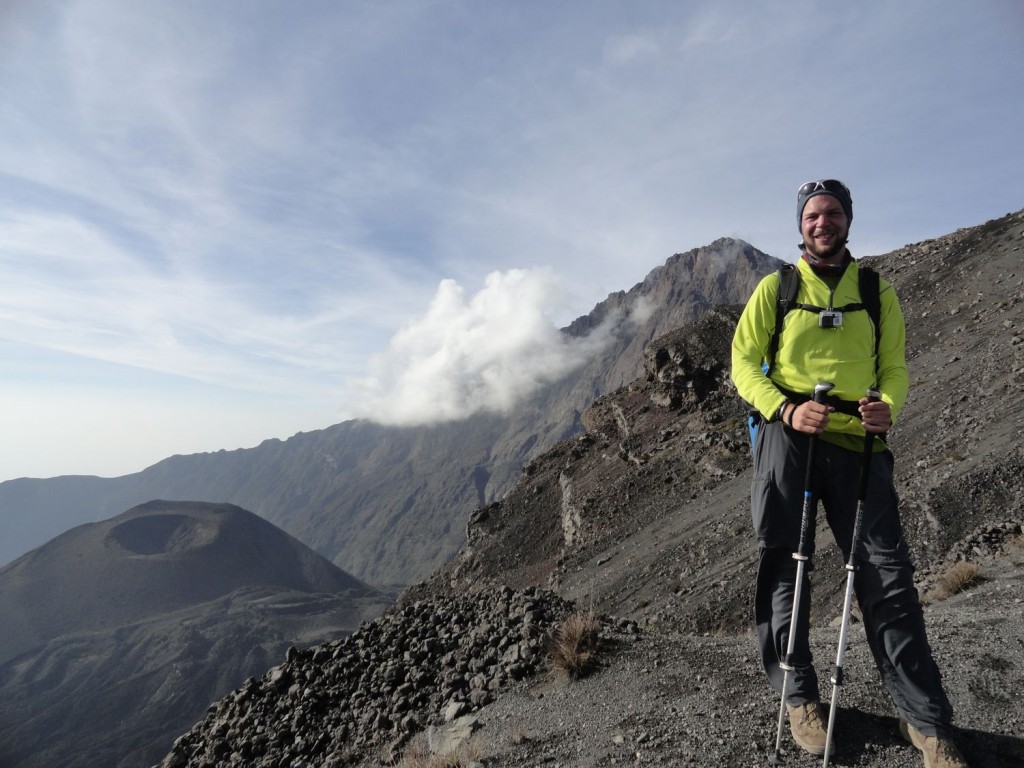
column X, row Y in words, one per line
column 232, row 221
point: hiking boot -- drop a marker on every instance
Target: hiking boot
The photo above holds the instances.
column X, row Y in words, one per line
column 938, row 752
column 809, row 724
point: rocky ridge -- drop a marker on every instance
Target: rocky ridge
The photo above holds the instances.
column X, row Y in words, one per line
column 427, row 661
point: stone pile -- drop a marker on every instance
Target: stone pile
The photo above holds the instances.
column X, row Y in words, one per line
column 421, row 663
column 986, row 540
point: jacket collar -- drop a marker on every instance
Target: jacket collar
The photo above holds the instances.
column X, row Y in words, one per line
column 822, row 269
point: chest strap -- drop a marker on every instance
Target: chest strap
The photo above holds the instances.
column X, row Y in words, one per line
column 819, row 310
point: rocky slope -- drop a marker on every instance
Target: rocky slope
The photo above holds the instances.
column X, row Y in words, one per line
column 388, row 504
column 380, row 683
column 644, row 519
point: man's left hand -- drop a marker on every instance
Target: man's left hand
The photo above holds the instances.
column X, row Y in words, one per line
column 875, row 415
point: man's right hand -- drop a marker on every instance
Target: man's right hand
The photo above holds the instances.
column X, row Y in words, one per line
column 811, row 417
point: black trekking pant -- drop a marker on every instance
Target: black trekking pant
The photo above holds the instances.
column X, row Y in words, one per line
column 884, row 584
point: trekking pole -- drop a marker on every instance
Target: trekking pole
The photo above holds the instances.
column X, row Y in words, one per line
column 851, row 568
column 802, row 557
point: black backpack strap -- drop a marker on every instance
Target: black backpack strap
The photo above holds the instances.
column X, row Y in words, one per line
column 789, row 285
column 870, row 297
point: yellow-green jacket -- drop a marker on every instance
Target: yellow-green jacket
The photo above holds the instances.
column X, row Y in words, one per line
column 808, row 354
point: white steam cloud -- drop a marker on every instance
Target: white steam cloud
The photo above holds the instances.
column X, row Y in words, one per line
column 485, row 353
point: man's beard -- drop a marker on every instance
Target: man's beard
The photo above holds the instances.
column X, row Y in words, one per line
column 826, row 254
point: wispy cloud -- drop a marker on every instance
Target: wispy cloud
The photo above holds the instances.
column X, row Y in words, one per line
column 145, row 223
column 624, row 49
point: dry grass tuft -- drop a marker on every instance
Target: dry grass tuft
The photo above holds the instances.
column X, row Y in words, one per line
column 961, row 575
column 575, row 644
column 417, row 755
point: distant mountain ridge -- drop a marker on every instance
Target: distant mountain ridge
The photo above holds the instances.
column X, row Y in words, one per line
column 388, row 504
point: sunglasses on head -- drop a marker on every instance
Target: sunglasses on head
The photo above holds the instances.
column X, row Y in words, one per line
column 829, row 185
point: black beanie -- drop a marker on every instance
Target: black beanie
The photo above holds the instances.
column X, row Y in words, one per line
column 833, row 187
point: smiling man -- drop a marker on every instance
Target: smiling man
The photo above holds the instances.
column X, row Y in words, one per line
column 844, row 326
